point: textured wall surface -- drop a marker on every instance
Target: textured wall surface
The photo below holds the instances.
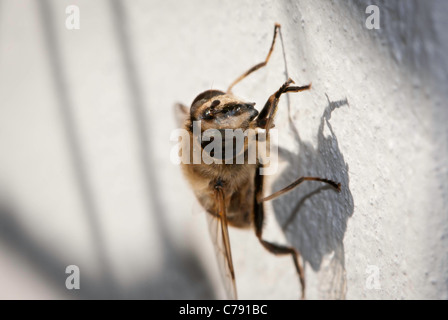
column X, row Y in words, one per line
column 85, row 171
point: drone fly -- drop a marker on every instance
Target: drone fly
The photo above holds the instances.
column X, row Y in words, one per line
column 232, row 193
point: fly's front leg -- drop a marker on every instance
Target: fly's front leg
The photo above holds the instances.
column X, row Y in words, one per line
column 257, row 66
column 265, row 119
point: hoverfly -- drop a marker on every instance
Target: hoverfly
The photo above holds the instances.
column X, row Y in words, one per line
column 232, row 194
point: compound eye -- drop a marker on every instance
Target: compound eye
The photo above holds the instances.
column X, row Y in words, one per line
column 208, row 114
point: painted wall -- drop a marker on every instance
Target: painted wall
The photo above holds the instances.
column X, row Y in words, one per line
column 85, row 171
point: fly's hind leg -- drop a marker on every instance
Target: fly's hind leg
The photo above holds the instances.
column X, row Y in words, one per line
column 259, row 217
column 335, row 185
column 272, row 247
column 257, row 66
column 282, row 250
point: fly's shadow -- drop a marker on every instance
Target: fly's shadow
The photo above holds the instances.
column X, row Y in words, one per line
column 314, row 217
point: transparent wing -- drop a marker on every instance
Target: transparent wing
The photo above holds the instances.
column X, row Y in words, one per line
column 180, row 114
column 220, row 238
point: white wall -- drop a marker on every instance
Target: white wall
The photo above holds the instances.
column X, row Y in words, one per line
column 85, row 121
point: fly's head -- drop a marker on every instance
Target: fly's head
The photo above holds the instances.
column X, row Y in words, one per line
column 218, row 110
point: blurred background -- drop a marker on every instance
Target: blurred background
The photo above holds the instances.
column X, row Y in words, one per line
column 85, row 121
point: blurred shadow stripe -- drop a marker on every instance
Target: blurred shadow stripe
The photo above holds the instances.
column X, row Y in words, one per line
column 140, row 116
column 182, row 275
column 66, row 112
column 46, row 263
column 1, row 11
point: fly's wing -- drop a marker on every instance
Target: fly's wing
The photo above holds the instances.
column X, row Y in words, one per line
column 180, row 113
column 220, row 238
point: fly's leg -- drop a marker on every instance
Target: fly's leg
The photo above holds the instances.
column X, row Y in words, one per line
column 272, row 247
column 288, row 188
column 258, row 66
column 265, row 119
